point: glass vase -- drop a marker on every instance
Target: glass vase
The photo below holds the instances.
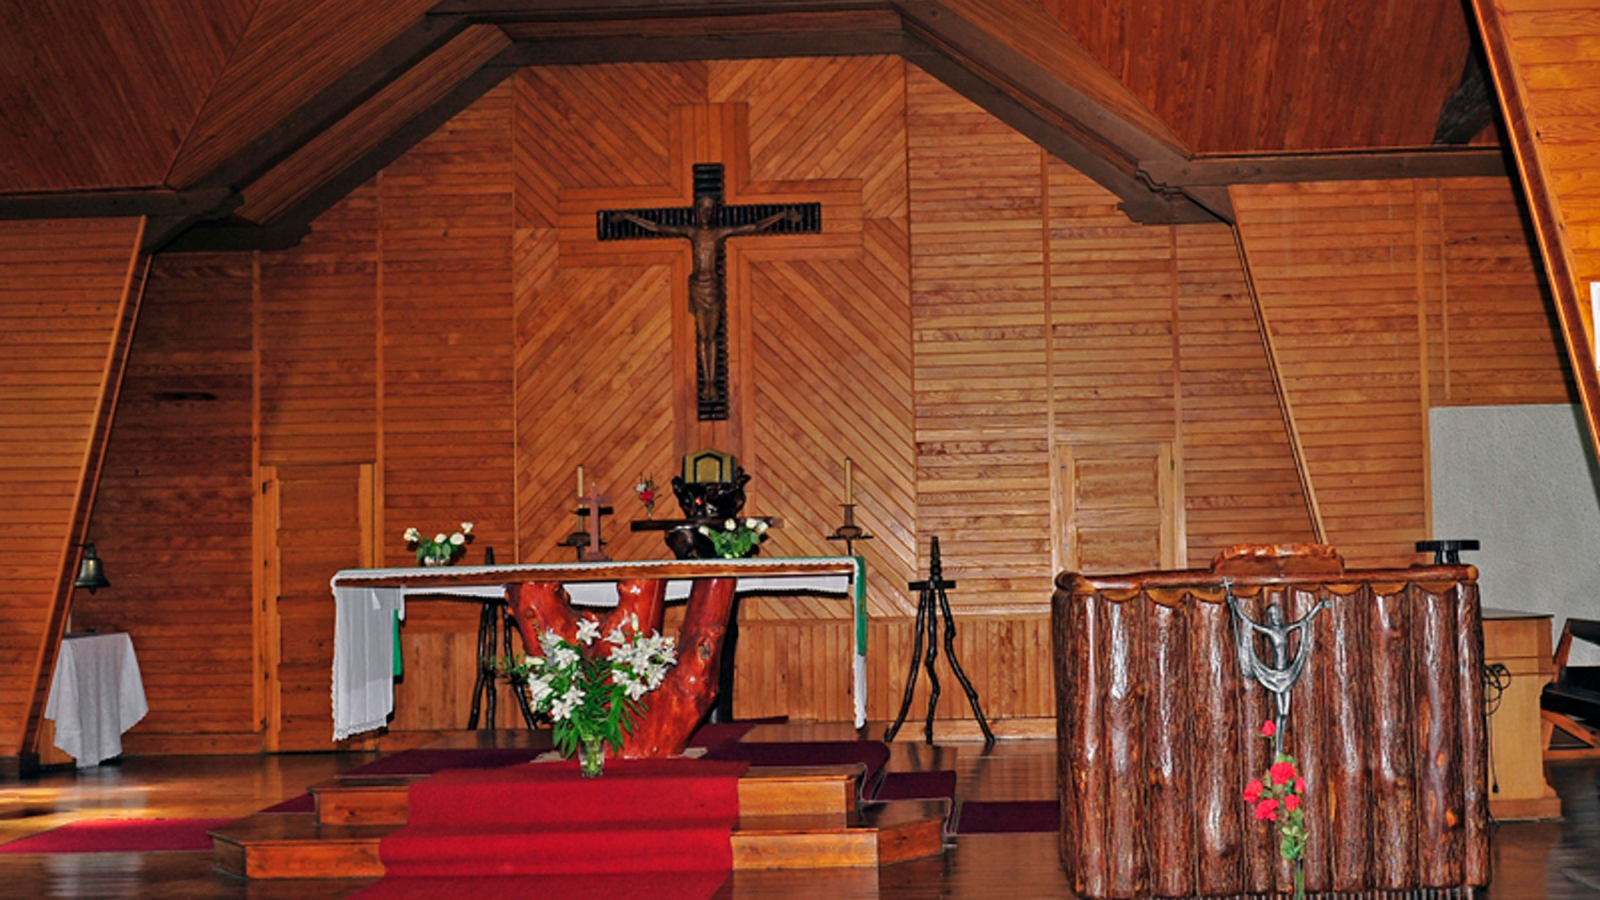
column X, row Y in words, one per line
column 591, row 757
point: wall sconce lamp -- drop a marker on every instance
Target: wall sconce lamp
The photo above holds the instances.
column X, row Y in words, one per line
column 91, row 571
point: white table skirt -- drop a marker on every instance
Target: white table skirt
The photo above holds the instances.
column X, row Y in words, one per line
column 96, row 694
column 363, row 634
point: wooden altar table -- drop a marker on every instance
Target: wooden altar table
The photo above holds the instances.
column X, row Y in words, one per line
column 367, row 599
column 1159, row 733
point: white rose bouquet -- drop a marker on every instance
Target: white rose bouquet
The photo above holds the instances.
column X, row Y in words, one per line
column 592, row 696
column 735, row 539
column 442, row 549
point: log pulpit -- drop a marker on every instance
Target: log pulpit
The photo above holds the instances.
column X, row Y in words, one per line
column 1159, row 730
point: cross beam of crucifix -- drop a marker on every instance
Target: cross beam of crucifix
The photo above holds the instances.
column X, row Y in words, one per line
column 707, row 225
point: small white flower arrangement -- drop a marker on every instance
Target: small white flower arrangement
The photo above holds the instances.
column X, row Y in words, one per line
column 592, row 693
column 442, row 549
column 735, row 539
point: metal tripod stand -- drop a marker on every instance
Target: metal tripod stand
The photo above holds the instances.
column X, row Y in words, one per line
column 932, row 592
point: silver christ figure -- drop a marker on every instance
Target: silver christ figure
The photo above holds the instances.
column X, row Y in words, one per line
column 1280, row 674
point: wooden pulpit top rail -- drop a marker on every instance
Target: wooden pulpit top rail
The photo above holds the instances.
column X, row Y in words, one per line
column 444, row 576
column 1205, row 579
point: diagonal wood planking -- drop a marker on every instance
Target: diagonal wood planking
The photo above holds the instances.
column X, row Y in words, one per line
column 100, row 93
column 331, row 151
column 256, row 89
column 830, row 312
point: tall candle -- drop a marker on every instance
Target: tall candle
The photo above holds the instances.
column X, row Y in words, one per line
column 849, row 494
column 580, row 479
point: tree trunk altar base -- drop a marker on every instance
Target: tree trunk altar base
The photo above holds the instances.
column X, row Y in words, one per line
column 673, row 710
column 1159, row 731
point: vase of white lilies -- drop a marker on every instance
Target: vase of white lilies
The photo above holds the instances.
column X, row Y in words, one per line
column 593, row 689
column 735, row 539
column 442, row 549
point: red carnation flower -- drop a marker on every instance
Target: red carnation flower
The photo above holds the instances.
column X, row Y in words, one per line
column 1282, row 772
column 1252, row 791
column 1268, row 729
column 1291, row 802
column 1299, row 785
column 1267, row 810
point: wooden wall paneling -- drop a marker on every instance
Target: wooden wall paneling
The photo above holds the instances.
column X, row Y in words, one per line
column 57, row 389
column 445, row 232
column 1549, row 89
column 1240, row 483
column 1343, row 272
column 318, row 341
column 256, row 90
column 979, row 339
column 173, row 515
column 1498, row 338
column 100, row 94
column 1246, row 62
column 347, row 140
column 800, row 668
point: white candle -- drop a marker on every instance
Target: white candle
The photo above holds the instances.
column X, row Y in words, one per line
column 580, row 479
column 849, row 494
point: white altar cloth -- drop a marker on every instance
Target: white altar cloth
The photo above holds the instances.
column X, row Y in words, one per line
column 96, row 694
column 366, row 601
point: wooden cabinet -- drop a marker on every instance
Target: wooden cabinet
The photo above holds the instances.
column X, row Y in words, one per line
column 1520, row 641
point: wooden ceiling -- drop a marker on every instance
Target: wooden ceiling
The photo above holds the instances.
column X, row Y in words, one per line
column 1240, row 76
column 228, row 119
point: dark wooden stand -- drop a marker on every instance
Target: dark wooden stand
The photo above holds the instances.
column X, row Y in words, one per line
column 494, row 610
column 930, row 592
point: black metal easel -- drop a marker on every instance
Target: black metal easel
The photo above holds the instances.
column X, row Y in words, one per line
column 932, row 591
column 495, row 609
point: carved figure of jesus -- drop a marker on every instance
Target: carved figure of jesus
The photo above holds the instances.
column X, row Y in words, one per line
column 1279, row 675
column 706, row 297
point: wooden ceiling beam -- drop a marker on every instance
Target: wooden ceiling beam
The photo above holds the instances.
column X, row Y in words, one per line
column 1366, row 165
column 542, row 11
column 1064, row 119
column 107, row 204
column 744, row 45
column 288, row 229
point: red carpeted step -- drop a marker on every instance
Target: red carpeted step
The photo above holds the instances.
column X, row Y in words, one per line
column 553, row 797
column 645, row 817
column 674, row 886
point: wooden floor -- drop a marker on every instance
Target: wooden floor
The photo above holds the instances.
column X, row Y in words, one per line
column 1556, row 860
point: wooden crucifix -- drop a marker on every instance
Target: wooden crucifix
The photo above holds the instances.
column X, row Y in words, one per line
column 707, row 225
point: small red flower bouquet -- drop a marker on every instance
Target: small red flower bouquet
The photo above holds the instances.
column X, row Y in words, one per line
column 646, row 489
column 1278, row 797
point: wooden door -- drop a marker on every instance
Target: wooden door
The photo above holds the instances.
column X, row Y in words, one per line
column 317, row 520
column 1121, row 507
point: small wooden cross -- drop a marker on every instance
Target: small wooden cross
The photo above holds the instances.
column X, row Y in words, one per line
column 707, row 225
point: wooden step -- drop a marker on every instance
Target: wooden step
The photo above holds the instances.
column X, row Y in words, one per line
column 879, row 834
column 294, row 845
column 763, row 791
column 286, row 846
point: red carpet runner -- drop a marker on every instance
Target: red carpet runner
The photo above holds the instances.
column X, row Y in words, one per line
column 647, row 828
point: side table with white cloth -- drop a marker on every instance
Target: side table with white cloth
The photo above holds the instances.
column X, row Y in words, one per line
column 96, row 694
column 366, row 601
